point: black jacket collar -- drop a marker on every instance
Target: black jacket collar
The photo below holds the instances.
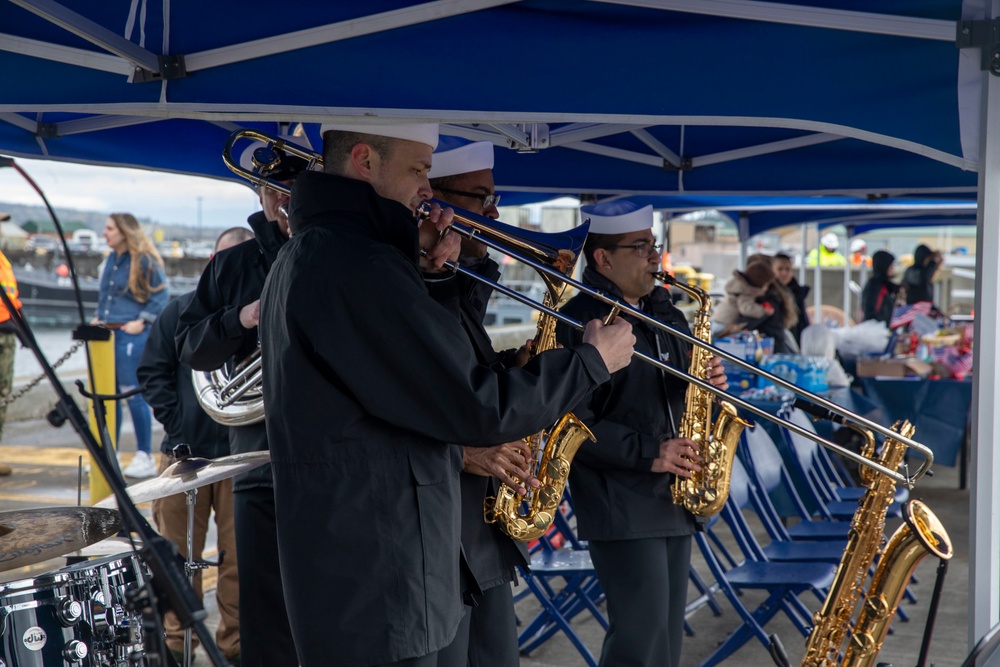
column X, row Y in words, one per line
column 327, row 200
column 269, row 237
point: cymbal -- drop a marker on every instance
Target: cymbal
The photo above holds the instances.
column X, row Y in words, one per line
column 191, row 474
column 36, row 535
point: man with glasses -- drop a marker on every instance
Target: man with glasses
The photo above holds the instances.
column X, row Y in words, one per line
column 640, row 541
column 462, row 175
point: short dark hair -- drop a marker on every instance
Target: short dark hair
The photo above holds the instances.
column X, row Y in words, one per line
column 781, row 255
column 337, row 147
column 598, row 241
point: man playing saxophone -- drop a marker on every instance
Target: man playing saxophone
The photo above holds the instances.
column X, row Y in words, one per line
column 218, row 327
column 463, row 175
column 640, row 541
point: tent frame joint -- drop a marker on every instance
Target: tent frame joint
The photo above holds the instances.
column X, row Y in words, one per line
column 985, row 35
column 683, row 164
column 47, row 131
column 170, row 67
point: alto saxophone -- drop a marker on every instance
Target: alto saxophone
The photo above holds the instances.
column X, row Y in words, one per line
column 552, row 452
column 705, row 492
column 922, row 534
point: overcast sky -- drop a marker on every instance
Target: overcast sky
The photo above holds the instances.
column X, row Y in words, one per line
column 166, row 198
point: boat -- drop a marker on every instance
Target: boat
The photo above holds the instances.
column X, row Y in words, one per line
column 48, row 300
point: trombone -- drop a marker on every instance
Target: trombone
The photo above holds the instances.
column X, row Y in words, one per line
column 497, row 236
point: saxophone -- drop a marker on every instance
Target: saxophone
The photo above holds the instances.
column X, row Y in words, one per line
column 705, row 492
column 920, row 535
column 552, row 453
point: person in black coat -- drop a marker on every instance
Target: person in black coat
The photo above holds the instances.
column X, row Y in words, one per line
column 878, row 299
column 918, row 278
column 167, row 387
column 487, row 636
column 366, row 381
column 640, row 541
column 219, row 328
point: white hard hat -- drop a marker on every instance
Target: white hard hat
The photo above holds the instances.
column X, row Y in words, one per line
column 858, row 245
column 830, row 241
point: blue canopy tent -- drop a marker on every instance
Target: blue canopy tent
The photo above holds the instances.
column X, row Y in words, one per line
column 850, row 97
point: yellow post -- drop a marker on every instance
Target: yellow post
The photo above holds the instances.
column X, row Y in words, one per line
column 102, row 355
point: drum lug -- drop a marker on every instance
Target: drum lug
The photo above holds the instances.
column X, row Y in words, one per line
column 69, row 611
column 75, row 650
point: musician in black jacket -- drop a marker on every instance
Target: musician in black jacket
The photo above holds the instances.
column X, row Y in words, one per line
column 640, row 541
column 372, row 379
column 167, row 387
column 487, row 637
column 217, row 328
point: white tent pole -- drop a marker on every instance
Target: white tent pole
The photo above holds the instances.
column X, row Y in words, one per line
column 847, row 277
column 744, row 237
column 984, row 534
column 804, row 231
column 817, row 284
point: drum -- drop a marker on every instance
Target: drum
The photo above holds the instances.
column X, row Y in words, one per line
column 73, row 616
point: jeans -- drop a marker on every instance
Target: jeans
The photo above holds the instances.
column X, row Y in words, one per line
column 128, row 350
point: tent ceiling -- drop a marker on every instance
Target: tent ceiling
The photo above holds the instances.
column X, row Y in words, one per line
column 647, row 93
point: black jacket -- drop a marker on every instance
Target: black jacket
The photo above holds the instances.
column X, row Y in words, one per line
column 490, row 554
column 366, row 378
column 878, row 299
column 210, row 335
column 615, row 494
column 917, row 278
column 799, row 294
column 166, row 386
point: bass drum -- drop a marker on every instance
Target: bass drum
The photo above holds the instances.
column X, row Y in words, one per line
column 74, row 616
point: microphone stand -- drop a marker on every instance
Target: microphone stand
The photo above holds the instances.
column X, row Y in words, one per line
column 170, row 588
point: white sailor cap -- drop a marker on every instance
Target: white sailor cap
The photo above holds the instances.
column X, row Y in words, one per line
column 290, row 165
column 618, row 217
column 424, row 133
column 451, row 159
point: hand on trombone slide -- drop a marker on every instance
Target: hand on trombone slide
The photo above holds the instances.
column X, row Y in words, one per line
column 438, row 243
column 614, row 341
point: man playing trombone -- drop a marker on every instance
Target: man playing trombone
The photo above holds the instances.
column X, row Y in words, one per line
column 487, row 635
column 640, row 541
column 371, row 379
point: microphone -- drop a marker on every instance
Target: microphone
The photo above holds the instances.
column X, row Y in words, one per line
column 817, row 411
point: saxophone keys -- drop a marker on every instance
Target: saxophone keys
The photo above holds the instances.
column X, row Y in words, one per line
column 557, row 469
column 548, row 497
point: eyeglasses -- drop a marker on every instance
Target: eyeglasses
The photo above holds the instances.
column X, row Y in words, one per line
column 487, row 200
column 643, row 249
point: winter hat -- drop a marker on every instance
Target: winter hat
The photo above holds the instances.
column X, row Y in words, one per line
column 758, row 274
column 881, row 261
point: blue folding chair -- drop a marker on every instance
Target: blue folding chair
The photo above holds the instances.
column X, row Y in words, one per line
column 815, row 475
column 764, row 462
column 783, row 582
column 560, row 605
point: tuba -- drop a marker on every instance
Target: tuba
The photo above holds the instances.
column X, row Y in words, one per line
column 705, row 492
column 552, row 449
column 232, row 399
column 922, row 534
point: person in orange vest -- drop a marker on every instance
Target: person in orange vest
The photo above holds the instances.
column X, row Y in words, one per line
column 8, row 342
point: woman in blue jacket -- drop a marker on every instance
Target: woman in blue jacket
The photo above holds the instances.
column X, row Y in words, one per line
column 133, row 292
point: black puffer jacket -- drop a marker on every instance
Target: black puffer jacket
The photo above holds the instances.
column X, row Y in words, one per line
column 615, row 494
column 210, row 335
column 366, row 380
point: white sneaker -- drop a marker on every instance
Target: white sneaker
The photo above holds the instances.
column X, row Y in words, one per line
column 142, row 466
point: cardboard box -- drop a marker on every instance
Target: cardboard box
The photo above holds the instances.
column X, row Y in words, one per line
column 895, row 368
